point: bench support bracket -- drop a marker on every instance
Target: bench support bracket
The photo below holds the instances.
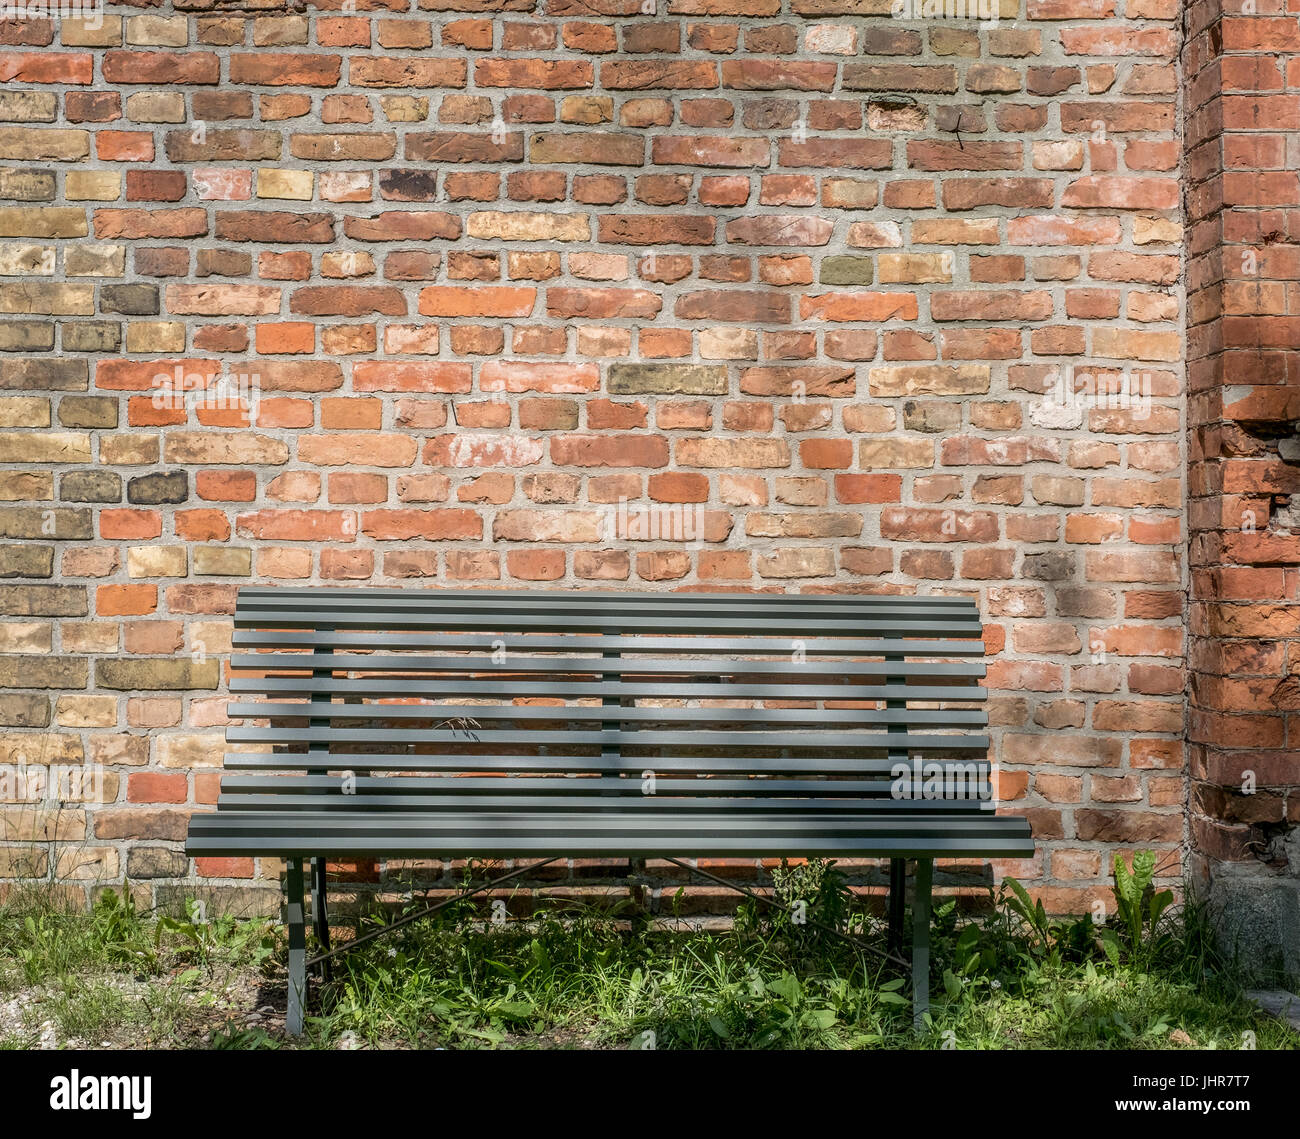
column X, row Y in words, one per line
column 319, row 912
column 921, row 943
column 294, row 918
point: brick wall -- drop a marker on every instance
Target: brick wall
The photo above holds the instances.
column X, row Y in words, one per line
column 798, row 274
column 1243, row 195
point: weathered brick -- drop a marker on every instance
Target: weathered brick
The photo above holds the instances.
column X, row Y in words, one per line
column 42, row 221
column 146, row 675
column 666, row 379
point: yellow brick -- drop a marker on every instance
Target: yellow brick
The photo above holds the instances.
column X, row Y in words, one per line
column 405, row 108
column 728, row 344
column 26, row 637
column 43, row 221
column 33, row 824
column 26, row 486
column 92, row 185
column 915, row 268
column 528, row 225
column 295, row 184
column 187, row 751
column 90, row 636
column 155, row 107
column 51, row 447
column 212, row 636
column 78, row 710
column 96, row 30
column 43, row 748
column 223, row 561
column 29, row 144
column 46, row 298
column 929, row 379
column 129, row 450
column 278, row 31
column 24, row 411
column 29, row 862
column 26, row 260
column 347, row 263
column 1147, row 230
column 29, row 106
column 157, row 31
column 155, row 336
column 893, row 454
column 88, row 863
column 95, row 261
column 156, row 561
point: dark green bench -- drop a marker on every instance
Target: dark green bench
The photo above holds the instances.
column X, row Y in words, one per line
column 633, row 758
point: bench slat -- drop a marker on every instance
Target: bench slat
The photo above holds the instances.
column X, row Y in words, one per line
column 524, row 820
column 435, row 686
column 541, row 642
column 360, row 804
column 627, row 834
column 597, row 596
column 616, row 847
column 732, row 740
column 849, row 795
column 543, row 786
column 629, row 764
column 797, row 624
column 813, row 718
column 339, row 662
column 328, row 596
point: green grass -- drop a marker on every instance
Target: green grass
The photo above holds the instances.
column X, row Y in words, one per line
column 1012, row 978
column 43, row 938
column 114, row 975
column 87, row 1009
column 580, row 981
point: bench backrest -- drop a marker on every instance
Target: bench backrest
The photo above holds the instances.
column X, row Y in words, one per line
column 630, row 694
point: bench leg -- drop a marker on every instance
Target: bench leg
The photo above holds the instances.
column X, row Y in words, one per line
column 320, row 912
column 638, row 895
column 297, row 947
column 921, row 942
column 897, row 902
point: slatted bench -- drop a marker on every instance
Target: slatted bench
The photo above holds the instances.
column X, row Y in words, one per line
column 446, row 724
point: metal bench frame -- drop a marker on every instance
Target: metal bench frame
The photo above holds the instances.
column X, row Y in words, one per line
column 775, row 728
